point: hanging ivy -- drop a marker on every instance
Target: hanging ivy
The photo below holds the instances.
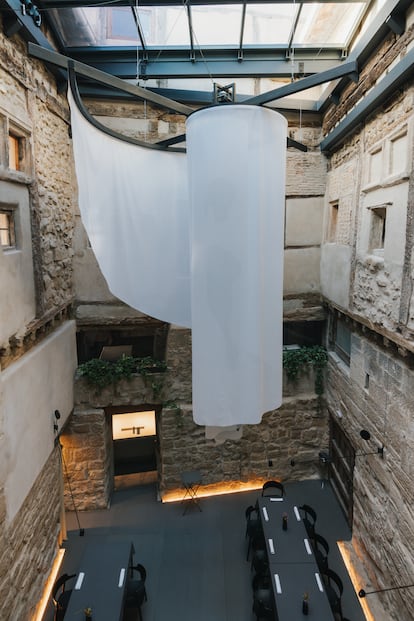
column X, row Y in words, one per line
column 101, row 373
column 295, row 361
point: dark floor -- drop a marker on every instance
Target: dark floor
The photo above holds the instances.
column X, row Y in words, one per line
column 196, row 563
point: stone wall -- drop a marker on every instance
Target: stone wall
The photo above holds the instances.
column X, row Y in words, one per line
column 28, row 544
column 297, row 431
column 383, row 525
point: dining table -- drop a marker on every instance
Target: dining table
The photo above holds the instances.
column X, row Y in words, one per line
column 297, row 585
column 101, row 580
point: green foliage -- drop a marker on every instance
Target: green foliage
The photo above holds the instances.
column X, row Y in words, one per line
column 101, row 373
column 296, row 360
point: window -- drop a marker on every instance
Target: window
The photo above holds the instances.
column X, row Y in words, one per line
column 398, row 154
column 302, row 333
column 333, row 222
column 375, row 166
column 340, row 340
column 7, row 230
column 14, row 152
column 377, row 229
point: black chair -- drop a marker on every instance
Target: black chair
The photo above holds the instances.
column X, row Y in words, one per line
column 321, row 550
column 260, row 562
column 263, row 604
column 61, row 595
column 261, row 581
column 309, row 519
column 256, row 542
column 253, row 525
column 334, row 589
column 273, row 488
column 136, row 593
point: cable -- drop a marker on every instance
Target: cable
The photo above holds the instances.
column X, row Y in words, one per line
column 81, row 530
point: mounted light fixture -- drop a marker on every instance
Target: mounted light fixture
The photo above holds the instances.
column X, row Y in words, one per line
column 365, row 435
column 57, row 417
column 363, row 593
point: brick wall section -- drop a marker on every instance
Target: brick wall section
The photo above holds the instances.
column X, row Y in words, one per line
column 391, row 48
column 28, row 545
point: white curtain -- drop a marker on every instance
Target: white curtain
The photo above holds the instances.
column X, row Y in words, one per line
column 217, row 267
column 135, row 208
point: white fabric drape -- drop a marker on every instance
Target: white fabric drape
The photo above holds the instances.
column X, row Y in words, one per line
column 217, row 267
column 236, row 159
column 135, row 208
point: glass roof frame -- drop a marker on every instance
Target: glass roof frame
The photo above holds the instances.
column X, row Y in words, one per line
column 53, row 10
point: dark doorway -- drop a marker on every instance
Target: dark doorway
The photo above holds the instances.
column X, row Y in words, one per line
column 134, row 440
column 341, row 468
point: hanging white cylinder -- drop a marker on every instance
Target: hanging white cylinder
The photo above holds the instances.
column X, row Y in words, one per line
column 237, row 162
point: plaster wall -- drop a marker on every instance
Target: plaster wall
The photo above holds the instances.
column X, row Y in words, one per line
column 303, row 224
column 301, row 271
column 31, row 389
column 18, row 307
column 336, row 261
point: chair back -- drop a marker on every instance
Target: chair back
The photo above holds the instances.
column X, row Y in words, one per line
column 272, row 488
column 60, row 585
column 321, row 548
column 309, row 519
column 334, row 581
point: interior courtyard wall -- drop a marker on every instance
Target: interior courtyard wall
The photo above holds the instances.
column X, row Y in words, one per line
column 29, row 543
column 297, row 431
column 383, row 522
column 373, row 392
column 37, row 346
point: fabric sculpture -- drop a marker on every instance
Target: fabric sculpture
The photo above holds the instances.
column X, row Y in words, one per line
column 196, row 239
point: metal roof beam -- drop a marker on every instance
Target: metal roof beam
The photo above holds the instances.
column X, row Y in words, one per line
column 347, row 68
column 94, row 74
column 395, row 79
column 216, row 63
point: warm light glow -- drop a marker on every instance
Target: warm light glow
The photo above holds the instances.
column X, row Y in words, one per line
column 47, row 591
column 356, row 579
column 133, row 425
column 216, row 489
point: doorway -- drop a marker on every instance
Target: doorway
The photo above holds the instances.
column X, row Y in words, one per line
column 341, row 468
column 134, row 437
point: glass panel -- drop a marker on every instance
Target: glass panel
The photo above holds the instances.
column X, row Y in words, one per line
column 165, row 26
column 268, row 24
column 327, row 24
column 216, row 25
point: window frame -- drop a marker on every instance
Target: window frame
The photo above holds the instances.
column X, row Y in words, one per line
column 10, row 229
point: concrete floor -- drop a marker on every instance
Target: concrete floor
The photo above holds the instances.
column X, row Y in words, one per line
column 196, row 563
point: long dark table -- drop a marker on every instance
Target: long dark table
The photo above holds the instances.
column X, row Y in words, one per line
column 101, row 581
column 292, row 564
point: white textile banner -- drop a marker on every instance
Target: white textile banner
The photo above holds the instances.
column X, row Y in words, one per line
column 217, row 268
column 135, row 208
column 236, row 159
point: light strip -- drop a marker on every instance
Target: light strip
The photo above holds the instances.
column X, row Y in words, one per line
column 319, row 582
column 47, row 590
column 271, row 546
column 307, row 546
column 276, row 499
column 277, row 582
column 296, row 510
column 121, row 577
column 266, row 517
column 216, row 489
column 356, row 579
column 79, row 581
